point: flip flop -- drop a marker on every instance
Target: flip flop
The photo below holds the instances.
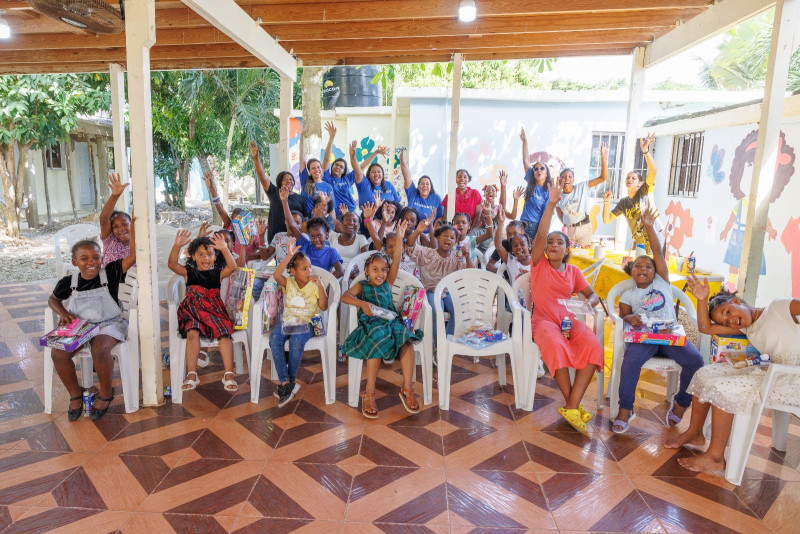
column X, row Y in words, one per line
column 573, row 417
column 671, row 419
column 623, row 425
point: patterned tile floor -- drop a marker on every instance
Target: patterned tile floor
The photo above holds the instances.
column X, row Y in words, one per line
column 218, row 463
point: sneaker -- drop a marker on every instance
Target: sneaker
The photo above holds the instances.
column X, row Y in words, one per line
column 540, row 372
column 279, row 391
column 288, row 394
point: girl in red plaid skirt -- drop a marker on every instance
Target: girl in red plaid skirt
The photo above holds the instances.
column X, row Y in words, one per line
column 202, row 313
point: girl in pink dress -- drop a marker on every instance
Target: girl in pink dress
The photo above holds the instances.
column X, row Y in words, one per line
column 552, row 278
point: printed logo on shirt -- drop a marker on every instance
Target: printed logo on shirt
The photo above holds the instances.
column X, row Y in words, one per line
column 653, row 300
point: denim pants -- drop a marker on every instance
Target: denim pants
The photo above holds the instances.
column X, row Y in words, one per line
column 287, row 369
column 636, row 354
column 447, row 304
column 531, row 230
column 258, row 286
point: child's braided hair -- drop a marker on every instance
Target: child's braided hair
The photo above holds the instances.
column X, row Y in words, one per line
column 723, row 296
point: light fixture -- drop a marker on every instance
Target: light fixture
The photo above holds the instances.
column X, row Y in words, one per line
column 467, row 11
column 5, row 29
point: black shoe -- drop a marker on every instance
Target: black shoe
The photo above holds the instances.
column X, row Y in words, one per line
column 74, row 415
column 97, row 413
column 279, row 391
column 287, row 394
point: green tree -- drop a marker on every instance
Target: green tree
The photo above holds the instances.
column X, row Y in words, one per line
column 35, row 112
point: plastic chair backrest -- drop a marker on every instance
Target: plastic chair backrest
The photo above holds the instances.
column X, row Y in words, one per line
column 331, row 285
column 616, row 292
column 473, row 293
column 522, row 285
column 591, row 272
column 356, row 261
column 71, row 235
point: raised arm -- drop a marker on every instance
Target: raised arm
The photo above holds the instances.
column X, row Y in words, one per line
column 262, row 176
column 649, row 218
column 291, row 227
column 218, row 243
column 208, row 178
column 412, row 239
column 302, row 161
column 291, row 249
column 181, row 238
column 326, row 159
column 603, row 167
column 644, row 144
column 116, row 187
column 498, row 237
column 701, row 291
column 540, row 242
column 526, row 155
column 404, row 170
column 368, row 211
column 517, row 194
column 130, row 260
column 382, row 150
column 398, row 253
column 358, row 172
column 503, row 186
column 607, row 215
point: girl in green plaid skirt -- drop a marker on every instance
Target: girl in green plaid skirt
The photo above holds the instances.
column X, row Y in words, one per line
column 375, row 338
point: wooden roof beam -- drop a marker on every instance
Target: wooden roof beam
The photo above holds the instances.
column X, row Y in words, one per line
column 239, row 26
column 712, row 21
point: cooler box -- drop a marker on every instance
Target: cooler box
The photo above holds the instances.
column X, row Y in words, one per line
column 730, row 346
column 643, row 334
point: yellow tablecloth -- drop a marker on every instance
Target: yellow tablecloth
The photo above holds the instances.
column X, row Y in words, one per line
column 611, row 273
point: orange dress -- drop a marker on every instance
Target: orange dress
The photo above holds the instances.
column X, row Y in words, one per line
column 547, row 286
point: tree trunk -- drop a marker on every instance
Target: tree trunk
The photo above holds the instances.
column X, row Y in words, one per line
column 8, row 175
column 46, row 189
column 94, row 176
column 183, row 181
column 311, row 84
column 68, row 146
column 206, row 167
column 226, row 184
column 27, row 191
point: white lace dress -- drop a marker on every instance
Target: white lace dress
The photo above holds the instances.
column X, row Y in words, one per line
column 735, row 390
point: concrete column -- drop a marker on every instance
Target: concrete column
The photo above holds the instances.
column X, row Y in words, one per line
column 118, row 118
column 285, row 116
column 455, row 109
column 635, row 94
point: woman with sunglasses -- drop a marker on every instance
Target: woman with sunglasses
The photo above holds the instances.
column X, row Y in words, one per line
column 536, row 196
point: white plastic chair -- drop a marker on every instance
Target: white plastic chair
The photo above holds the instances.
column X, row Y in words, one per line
column 165, row 238
column 127, row 354
column 71, row 235
column 326, row 344
column 176, row 292
column 657, row 364
column 591, row 272
column 523, row 285
column 423, row 349
column 745, row 425
column 344, row 312
column 473, row 294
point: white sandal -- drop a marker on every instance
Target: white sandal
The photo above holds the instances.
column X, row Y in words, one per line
column 230, row 385
column 189, row 385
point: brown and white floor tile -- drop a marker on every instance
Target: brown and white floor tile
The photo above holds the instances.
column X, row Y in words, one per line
column 471, row 448
column 15, row 432
column 27, row 476
column 150, row 523
column 254, row 525
column 68, row 521
column 398, row 446
column 9, row 514
column 569, row 452
column 388, row 528
column 303, row 438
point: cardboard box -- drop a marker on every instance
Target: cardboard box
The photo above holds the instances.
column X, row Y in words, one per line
column 243, row 227
column 70, row 343
column 411, row 305
column 731, row 346
column 643, row 334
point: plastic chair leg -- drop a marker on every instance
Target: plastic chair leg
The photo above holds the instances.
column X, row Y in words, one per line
column 254, row 365
column 672, row 385
column 87, row 373
column 742, row 434
column 131, row 395
column 48, row 380
column 354, row 368
column 500, row 361
column 780, row 429
column 238, row 364
column 177, row 370
column 445, row 368
column 600, row 390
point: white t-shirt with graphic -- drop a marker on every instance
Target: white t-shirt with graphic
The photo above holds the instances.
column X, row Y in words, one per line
column 516, row 268
column 574, row 204
column 654, row 301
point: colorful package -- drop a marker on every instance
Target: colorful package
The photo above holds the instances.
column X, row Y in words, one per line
column 272, row 300
column 71, row 328
column 318, row 325
column 411, row 305
column 243, row 227
column 482, row 338
column 645, row 334
column 240, row 292
column 729, row 346
column 69, row 343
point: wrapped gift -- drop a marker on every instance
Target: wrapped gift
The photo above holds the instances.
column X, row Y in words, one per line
column 243, row 227
column 382, row 313
column 240, row 293
column 71, row 342
column 482, row 338
column 645, row 334
column 411, row 305
column 723, row 348
column 272, row 299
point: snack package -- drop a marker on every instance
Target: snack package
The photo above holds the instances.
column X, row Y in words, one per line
column 383, row 313
column 411, row 305
column 723, row 347
column 69, row 343
column 71, row 328
column 240, row 293
column 243, row 227
column 482, row 338
column 318, row 325
column 272, row 300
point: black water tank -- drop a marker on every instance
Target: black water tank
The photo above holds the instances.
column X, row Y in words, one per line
column 348, row 87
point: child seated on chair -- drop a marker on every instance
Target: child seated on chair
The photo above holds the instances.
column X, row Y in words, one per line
column 773, row 330
column 513, row 228
column 552, row 278
column 202, row 313
column 518, row 262
column 247, row 252
column 115, row 226
column 435, row 264
column 279, row 246
column 652, row 297
column 92, row 292
column 462, row 222
column 315, row 246
column 375, row 338
column 304, row 297
column 392, row 239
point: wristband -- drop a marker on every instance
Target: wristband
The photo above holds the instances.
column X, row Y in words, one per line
column 216, row 200
column 367, row 219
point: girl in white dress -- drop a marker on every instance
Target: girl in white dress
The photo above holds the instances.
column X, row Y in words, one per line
column 773, row 330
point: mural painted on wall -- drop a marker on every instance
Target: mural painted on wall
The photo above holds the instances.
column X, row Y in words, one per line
column 790, row 238
column 678, row 226
column 714, row 169
column 735, row 226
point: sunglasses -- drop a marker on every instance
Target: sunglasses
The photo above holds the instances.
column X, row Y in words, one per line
column 540, row 168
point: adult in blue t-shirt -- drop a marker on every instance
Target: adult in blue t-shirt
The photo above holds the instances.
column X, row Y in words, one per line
column 315, row 246
column 310, row 177
column 537, row 177
column 373, row 184
column 422, row 197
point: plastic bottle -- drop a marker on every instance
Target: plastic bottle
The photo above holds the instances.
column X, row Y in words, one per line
column 88, row 401
column 566, row 327
column 640, row 250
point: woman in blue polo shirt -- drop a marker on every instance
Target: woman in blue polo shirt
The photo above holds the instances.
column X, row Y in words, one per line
column 374, row 184
column 337, row 176
column 537, row 177
column 311, row 178
column 421, row 197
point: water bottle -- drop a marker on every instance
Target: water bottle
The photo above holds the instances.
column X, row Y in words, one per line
column 640, row 250
column 566, row 327
column 88, row 401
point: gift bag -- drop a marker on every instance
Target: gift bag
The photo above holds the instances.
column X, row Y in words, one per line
column 411, row 305
column 240, row 293
column 272, row 298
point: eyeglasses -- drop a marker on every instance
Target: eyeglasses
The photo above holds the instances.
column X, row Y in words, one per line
column 540, row 168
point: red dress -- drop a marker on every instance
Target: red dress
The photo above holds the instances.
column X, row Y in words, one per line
column 547, row 286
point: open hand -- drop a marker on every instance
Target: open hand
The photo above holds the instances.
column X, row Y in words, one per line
column 204, row 230
column 353, row 146
column 701, row 291
column 291, row 247
column 649, row 217
column 368, row 209
column 323, row 197
column 423, row 225
column 522, row 136
column 555, row 192
column 383, row 151
column 645, row 142
column 607, row 195
column 603, row 150
column 253, row 149
column 183, row 237
column 518, row 192
column 501, row 216
column 284, row 193
column 331, row 129
column 503, row 178
column 343, row 209
column 115, row 184
column 402, row 226
column 218, row 241
column 261, row 226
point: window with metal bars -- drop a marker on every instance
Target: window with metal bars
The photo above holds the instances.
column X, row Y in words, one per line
column 52, row 155
column 684, row 173
column 615, row 141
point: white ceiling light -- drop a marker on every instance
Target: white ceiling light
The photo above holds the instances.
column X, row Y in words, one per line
column 467, row 11
column 5, row 29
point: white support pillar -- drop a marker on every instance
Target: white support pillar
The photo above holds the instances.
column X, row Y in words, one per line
column 393, row 141
column 118, row 120
column 285, row 116
column 785, row 36
column 140, row 35
column 455, row 109
column 635, row 94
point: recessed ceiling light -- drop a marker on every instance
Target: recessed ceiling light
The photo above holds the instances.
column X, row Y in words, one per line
column 467, row 11
column 5, row 29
